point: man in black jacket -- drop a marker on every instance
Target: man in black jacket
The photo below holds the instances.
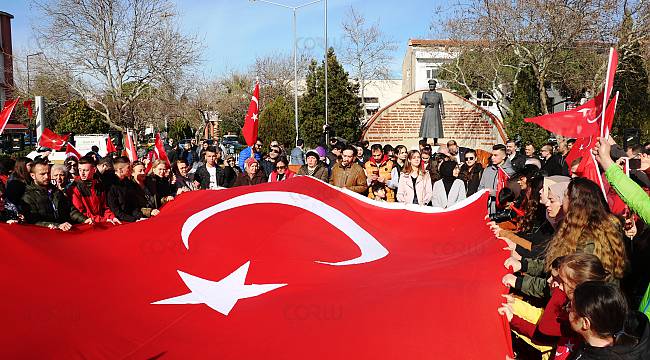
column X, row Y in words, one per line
column 45, row 205
column 126, row 199
column 213, row 174
column 517, row 159
column 552, row 164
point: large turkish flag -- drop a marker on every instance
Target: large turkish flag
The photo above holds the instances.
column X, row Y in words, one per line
column 287, row 270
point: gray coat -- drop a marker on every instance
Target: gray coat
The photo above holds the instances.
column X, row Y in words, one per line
column 489, row 181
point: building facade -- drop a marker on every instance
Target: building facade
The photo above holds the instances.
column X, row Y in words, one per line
column 6, row 60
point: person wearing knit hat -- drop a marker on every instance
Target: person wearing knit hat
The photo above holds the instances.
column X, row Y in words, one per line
column 314, row 166
column 251, row 174
column 313, row 153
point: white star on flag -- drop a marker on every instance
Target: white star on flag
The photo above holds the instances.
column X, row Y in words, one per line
column 219, row 295
column 254, row 117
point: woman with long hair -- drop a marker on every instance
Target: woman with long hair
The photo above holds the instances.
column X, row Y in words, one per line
column 158, row 183
column 588, row 226
column 471, row 171
column 534, row 210
column 415, row 183
column 17, row 183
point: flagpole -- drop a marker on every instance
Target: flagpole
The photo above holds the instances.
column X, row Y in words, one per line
column 605, row 92
column 600, row 176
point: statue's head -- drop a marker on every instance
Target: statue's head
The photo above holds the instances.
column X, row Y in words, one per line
column 432, row 84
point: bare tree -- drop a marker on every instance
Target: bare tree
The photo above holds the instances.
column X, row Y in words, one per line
column 368, row 52
column 538, row 33
column 116, row 50
column 275, row 73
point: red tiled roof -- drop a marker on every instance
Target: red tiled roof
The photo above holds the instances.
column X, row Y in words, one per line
column 443, row 42
column 16, row 127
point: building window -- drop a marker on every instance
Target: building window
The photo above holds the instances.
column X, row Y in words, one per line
column 432, row 73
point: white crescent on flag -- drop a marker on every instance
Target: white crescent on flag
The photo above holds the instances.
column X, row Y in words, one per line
column 371, row 249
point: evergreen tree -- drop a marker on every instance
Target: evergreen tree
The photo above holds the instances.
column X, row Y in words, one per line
column 344, row 104
column 633, row 108
column 78, row 118
column 277, row 122
column 525, row 103
column 179, row 129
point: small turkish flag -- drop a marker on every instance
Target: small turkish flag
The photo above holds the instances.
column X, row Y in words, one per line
column 582, row 147
column 110, row 148
column 585, row 120
column 130, row 147
column 28, row 105
column 295, row 269
column 251, row 124
column 71, row 151
column 6, row 113
column 52, row 140
column 158, row 153
column 502, row 182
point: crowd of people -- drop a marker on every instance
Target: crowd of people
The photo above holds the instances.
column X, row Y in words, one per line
column 578, row 253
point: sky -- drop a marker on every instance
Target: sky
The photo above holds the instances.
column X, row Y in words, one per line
column 235, row 32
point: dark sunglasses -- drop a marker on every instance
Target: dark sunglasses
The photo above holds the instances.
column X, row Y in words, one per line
column 280, row 167
column 469, row 158
column 275, row 151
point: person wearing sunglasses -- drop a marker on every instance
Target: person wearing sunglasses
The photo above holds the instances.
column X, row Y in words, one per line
column 268, row 163
column 470, row 172
column 282, row 171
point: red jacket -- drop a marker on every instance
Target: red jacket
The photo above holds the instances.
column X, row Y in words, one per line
column 91, row 203
column 553, row 323
column 288, row 174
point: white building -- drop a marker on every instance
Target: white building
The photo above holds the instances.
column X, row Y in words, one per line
column 422, row 63
column 381, row 93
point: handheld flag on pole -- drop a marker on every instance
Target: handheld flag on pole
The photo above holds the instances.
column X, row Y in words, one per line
column 251, row 124
column 52, row 140
column 110, row 148
column 71, row 151
column 130, row 148
column 6, row 113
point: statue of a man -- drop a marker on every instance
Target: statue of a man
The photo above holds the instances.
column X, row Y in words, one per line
column 434, row 112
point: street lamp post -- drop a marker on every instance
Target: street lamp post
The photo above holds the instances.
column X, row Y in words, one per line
column 326, row 66
column 28, row 80
column 295, row 54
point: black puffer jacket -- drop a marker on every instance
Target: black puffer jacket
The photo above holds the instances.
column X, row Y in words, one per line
column 48, row 206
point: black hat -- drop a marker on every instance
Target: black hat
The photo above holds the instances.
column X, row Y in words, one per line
column 312, row 153
column 432, row 81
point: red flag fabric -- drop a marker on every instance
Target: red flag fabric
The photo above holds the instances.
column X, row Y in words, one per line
column 585, row 120
column 296, row 269
column 28, row 104
column 71, row 151
column 159, row 148
column 502, row 182
column 110, row 148
column 6, row 114
column 582, row 121
column 130, row 147
column 582, row 147
column 251, row 124
column 52, row 140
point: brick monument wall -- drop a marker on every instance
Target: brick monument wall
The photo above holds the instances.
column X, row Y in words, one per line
column 465, row 122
